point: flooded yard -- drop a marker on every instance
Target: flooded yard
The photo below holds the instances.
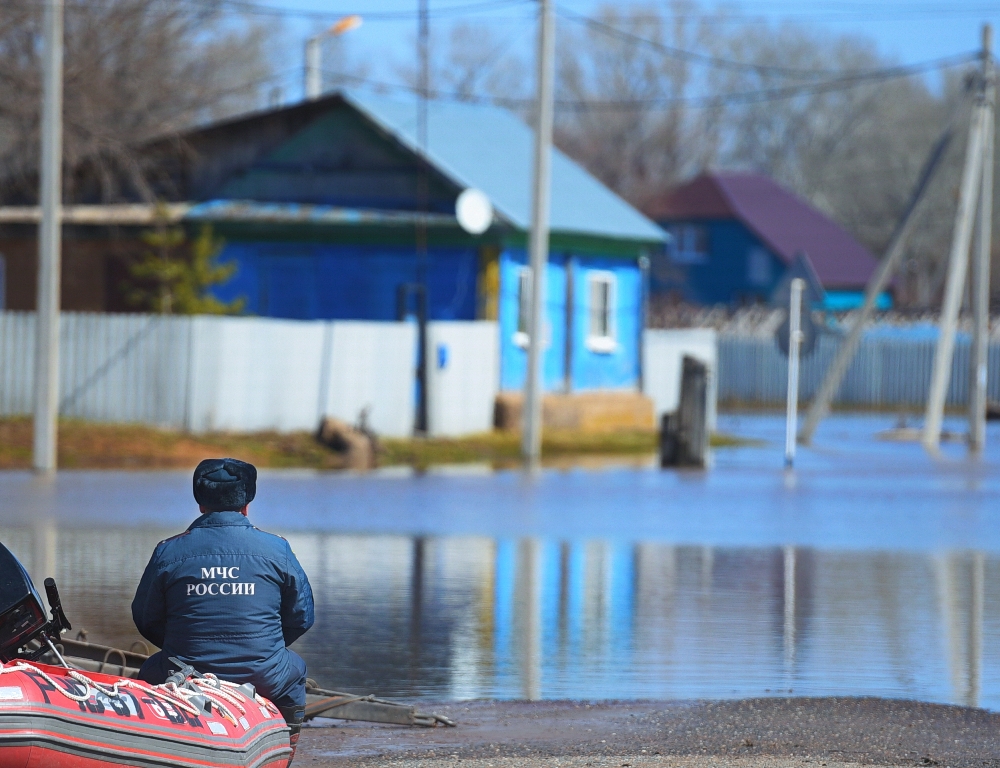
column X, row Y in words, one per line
column 872, row 569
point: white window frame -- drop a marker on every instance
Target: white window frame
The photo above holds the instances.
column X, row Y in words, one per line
column 521, row 337
column 608, row 342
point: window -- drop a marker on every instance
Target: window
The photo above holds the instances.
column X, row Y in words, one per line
column 601, row 291
column 521, row 336
column 690, row 243
column 759, row 267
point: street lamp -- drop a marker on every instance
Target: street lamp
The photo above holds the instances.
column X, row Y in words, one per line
column 314, row 75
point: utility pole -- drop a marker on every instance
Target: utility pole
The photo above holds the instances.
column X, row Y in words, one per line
column 969, row 193
column 981, row 259
column 794, row 345
column 423, row 204
column 820, row 405
column 531, row 438
column 49, row 246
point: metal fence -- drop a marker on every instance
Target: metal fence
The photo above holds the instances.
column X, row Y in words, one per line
column 887, row 371
column 242, row 374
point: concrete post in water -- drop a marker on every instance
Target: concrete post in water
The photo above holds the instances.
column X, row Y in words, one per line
column 684, row 434
column 531, row 439
column 957, row 266
column 49, row 246
column 981, row 261
column 794, row 344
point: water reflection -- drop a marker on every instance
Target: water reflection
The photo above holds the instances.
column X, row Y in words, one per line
column 460, row 617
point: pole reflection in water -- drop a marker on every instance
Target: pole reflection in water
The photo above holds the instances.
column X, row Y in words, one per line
column 788, row 633
column 463, row 617
column 960, row 577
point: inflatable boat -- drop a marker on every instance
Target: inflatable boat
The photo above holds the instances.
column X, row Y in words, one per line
column 51, row 717
column 59, row 717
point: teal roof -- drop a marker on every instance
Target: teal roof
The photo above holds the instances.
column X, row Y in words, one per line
column 489, row 148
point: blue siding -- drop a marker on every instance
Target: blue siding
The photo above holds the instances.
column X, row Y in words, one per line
column 310, row 281
column 723, row 278
column 619, row 368
column 616, row 369
column 514, row 359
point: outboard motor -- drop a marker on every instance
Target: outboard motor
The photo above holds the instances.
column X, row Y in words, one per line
column 24, row 630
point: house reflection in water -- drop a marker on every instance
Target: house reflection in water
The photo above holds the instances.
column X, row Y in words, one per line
column 461, row 617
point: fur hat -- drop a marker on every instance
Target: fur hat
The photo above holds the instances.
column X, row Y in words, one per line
column 224, row 484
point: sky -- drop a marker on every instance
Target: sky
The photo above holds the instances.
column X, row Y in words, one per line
column 908, row 31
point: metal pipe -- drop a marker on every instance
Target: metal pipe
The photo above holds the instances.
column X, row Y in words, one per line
column 313, row 76
column 794, row 344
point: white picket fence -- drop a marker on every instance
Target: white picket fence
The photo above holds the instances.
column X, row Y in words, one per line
column 206, row 374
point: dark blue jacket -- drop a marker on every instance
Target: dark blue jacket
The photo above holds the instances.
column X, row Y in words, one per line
column 226, row 598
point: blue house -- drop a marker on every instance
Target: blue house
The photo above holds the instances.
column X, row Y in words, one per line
column 331, row 210
column 736, row 234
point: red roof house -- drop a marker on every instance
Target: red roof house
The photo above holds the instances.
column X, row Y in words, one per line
column 735, row 234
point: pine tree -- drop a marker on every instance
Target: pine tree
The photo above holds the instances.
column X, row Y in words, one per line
column 174, row 276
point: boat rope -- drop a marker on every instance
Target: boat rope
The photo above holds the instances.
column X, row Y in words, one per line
column 210, row 687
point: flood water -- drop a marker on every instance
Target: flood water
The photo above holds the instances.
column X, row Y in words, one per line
column 872, row 569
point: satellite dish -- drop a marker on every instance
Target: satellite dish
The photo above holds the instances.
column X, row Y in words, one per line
column 474, row 211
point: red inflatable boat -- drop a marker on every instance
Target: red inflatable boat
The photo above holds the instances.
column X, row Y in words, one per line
column 60, row 717
column 52, row 717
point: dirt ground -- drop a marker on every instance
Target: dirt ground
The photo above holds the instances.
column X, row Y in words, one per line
column 754, row 733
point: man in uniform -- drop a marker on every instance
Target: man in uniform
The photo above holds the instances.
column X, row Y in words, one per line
column 226, row 597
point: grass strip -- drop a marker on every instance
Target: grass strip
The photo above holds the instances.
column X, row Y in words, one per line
column 89, row 445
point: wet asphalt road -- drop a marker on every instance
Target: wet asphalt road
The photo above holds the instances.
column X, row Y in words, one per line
column 755, row 733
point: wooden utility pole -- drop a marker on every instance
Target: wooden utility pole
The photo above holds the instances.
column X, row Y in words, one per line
column 969, row 195
column 531, row 438
column 820, row 405
column 981, row 251
column 49, row 246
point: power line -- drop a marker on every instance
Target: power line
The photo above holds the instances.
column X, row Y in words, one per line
column 840, row 83
column 262, row 9
column 686, row 55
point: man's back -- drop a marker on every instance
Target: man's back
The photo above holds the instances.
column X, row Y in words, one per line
column 225, row 597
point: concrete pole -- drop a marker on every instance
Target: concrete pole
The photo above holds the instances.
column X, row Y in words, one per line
column 957, row 267
column 880, row 280
column 49, row 245
column 981, row 261
column 531, row 439
column 313, row 76
column 794, row 344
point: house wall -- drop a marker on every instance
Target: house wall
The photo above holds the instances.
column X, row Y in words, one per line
column 724, row 277
column 590, row 369
column 93, row 277
column 310, row 281
column 617, row 368
column 513, row 356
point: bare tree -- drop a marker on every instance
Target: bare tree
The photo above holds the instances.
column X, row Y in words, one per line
column 134, row 70
column 623, row 110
